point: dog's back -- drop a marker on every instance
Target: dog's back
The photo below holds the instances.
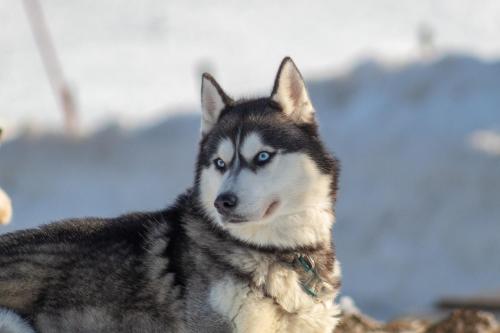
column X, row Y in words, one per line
column 95, row 268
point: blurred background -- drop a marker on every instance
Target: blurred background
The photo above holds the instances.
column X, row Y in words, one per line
column 100, row 116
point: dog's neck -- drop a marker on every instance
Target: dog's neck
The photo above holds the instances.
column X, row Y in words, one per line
column 264, row 255
column 305, row 232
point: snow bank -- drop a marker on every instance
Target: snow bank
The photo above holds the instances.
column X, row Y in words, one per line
column 418, row 213
column 127, row 59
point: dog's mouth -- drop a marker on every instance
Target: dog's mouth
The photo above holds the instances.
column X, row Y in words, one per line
column 271, row 208
column 236, row 219
column 241, row 219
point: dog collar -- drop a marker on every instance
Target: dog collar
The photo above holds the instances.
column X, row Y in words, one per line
column 313, row 279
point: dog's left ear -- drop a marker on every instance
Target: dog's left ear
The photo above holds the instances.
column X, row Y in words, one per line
column 213, row 101
column 290, row 92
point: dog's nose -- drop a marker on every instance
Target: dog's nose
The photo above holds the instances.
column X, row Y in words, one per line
column 226, row 202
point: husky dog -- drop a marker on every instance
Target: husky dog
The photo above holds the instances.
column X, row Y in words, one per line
column 247, row 249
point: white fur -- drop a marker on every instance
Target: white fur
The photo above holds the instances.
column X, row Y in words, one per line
column 210, row 183
column 300, row 229
column 291, row 93
column 303, row 216
column 226, row 150
column 5, row 208
column 280, row 281
column 247, row 310
column 289, row 309
column 252, row 145
column 212, row 103
column 10, row 322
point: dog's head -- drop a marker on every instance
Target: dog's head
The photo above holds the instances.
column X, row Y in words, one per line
column 263, row 174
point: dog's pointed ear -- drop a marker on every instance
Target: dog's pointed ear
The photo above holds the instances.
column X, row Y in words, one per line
column 213, row 101
column 290, row 93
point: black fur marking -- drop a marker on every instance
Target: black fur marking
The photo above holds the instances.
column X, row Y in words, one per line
column 178, row 244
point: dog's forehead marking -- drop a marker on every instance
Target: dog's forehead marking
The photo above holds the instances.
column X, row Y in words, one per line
column 225, row 150
column 237, row 157
column 251, row 145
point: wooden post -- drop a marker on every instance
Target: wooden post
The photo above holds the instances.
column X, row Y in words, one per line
column 52, row 64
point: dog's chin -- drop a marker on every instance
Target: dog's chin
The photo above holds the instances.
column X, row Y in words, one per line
column 240, row 219
column 234, row 220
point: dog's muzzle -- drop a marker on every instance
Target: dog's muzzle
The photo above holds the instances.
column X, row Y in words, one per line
column 226, row 203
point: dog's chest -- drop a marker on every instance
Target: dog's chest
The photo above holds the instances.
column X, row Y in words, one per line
column 272, row 291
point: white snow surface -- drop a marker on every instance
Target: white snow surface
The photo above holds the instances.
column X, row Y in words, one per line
column 130, row 60
column 418, row 215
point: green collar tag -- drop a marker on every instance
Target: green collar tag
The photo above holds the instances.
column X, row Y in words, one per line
column 306, row 265
column 311, row 292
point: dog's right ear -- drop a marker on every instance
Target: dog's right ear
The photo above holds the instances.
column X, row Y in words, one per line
column 213, row 101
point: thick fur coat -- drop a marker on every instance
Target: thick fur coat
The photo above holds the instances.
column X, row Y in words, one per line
column 247, row 249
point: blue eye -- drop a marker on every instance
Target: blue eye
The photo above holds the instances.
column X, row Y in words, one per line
column 262, row 158
column 219, row 164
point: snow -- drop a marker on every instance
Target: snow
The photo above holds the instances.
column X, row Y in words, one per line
column 486, row 140
column 418, row 213
column 131, row 60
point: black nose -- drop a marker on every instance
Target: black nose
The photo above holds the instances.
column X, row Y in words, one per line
column 226, row 202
